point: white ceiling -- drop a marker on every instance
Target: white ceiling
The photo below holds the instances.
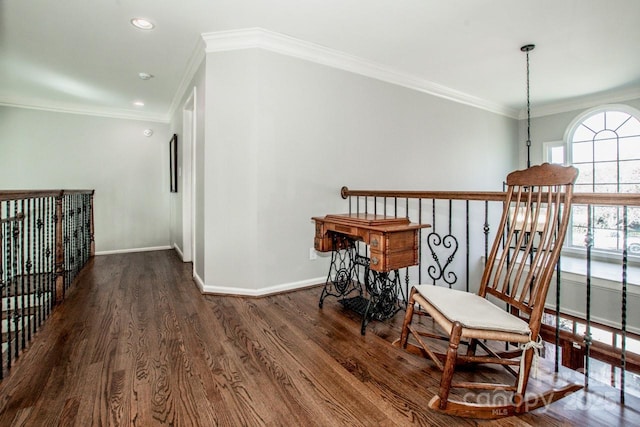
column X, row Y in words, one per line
column 85, row 56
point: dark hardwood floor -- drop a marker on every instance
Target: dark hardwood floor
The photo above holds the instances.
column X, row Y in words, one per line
column 135, row 343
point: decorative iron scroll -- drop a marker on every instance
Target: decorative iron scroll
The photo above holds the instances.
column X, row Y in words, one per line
column 449, row 245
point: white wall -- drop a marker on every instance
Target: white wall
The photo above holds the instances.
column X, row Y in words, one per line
column 130, row 172
column 283, row 135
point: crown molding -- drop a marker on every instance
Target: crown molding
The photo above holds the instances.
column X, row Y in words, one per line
column 55, row 107
column 195, row 60
column 259, row 38
column 583, row 103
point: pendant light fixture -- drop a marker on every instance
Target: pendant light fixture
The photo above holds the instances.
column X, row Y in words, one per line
column 526, row 49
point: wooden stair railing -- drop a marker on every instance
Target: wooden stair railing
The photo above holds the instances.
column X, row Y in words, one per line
column 462, row 222
column 46, row 238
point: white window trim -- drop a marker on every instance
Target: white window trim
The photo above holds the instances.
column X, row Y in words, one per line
column 548, row 146
column 582, row 116
column 573, row 251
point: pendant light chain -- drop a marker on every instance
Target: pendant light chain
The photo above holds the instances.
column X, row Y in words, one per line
column 528, row 48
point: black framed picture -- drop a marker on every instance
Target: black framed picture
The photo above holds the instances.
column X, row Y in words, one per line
column 173, row 163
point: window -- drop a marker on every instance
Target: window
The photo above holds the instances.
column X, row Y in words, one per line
column 554, row 152
column 604, row 144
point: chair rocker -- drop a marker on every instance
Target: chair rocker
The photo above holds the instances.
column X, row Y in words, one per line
column 518, row 272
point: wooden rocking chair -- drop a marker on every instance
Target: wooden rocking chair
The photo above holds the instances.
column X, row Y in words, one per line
column 518, row 272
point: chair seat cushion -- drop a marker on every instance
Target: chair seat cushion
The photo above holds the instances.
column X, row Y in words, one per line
column 471, row 310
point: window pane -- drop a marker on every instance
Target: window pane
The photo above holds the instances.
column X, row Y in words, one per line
column 630, row 148
column 582, row 152
column 629, row 188
column 630, row 128
column 606, row 172
column 630, row 171
column 579, row 215
column 633, row 221
column 615, row 119
column 585, row 173
column 605, row 188
column 605, row 217
column 583, row 134
column 583, row 188
column 577, row 236
column 595, row 122
column 578, row 225
column 605, row 240
column 556, row 155
column 605, row 146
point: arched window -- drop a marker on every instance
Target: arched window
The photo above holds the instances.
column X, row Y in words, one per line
column 604, row 144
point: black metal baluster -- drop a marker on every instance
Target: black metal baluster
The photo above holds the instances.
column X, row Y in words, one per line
column 623, row 353
column 50, row 250
column 9, row 281
column 15, row 279
column 433, row 231
column 73, row 260
column 27, row 312
column 556, row 361
column 433, row 215
column 3, row 282
column 70, row 252
column 87, row 228
column 587, row 334
column 21, row 314
column 45, row 271
column 65, row 241
column 77, row 235
column 68, row 215
column 9, row 273
column 443, row 241
column 467, row 262
column 420, row 240
column 486, row 231
column 81, row 241
column 40, row 271
column 406, row 277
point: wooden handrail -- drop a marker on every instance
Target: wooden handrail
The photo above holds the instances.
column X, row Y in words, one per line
column 600, row 199
column 6, row 195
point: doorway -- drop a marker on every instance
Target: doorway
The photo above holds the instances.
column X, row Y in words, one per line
column 188, row 178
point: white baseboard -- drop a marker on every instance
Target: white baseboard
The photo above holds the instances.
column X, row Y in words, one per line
column 228, row 290
column 199, row 282
column 124, row 251
column 285, row 287
column 175, row 246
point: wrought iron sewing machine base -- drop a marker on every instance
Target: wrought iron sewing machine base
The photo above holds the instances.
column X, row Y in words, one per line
column 381, row 300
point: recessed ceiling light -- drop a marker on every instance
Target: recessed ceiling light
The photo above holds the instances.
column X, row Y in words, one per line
column 142, row 24
column 145, row 76
column 147, row 132
column 138, row 103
